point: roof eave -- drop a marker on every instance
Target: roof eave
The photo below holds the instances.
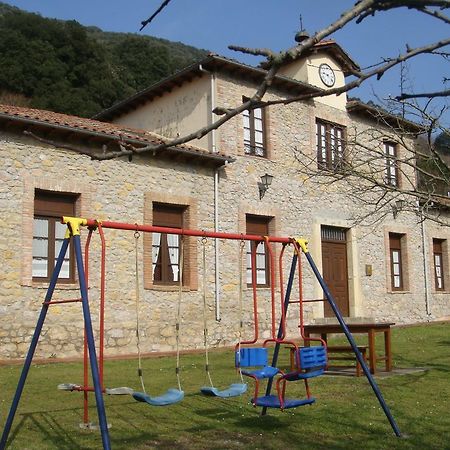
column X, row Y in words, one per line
column 356, row 106
column 214, row 159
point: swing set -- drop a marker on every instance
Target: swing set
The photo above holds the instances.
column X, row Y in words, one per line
column 251, row 356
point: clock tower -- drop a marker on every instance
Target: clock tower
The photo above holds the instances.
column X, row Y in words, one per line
column 325, row 65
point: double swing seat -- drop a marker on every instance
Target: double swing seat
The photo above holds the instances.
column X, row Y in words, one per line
column 310, row 363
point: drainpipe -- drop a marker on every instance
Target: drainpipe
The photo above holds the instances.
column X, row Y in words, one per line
column 425, row 267
column 216, row 196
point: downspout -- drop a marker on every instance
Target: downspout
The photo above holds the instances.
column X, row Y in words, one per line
column 216, row 196
column 425, row 267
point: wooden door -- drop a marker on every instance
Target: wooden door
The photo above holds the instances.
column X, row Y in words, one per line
column 334, row 268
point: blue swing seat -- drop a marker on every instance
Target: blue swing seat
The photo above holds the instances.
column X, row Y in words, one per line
column 272, row 401
column 169, row 398
column 255, row 357
column 234, row 390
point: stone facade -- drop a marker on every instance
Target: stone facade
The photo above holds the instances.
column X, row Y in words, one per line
column 124, row 191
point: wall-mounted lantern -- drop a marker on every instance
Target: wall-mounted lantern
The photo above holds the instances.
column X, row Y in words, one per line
column 397, row 206
column 263, row 185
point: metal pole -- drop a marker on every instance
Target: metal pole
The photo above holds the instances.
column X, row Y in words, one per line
column 280, row 329
column 182, row 231
column 91, row 345
column 34, row 342
column 353, row 344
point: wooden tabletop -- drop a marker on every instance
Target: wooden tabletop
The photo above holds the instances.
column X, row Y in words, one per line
column 333, row 327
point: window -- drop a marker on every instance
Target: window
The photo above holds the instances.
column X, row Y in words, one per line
column 397, row 269
column 254, row 132
column 438, row 264
column 166, row 247
column 258, row 225
column 48, row 235
column 330, row 146
column 391, row 164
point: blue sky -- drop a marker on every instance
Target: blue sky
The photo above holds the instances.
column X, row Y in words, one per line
column 214, row 24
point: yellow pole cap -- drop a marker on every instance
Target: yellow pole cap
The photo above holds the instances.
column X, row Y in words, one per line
column 73, row 225
column 303, row 243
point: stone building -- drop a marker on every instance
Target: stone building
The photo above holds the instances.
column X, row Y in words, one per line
column 396, row 271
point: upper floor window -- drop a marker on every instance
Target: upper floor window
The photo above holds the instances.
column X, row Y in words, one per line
column 48, row 235
column 254, row 132
column 166, row 247
column 438, row 264
column 397, row 263
column 391, row 177
column 258, row 225
column 330, row 146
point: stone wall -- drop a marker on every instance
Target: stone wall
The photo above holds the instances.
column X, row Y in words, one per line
column 123, row 191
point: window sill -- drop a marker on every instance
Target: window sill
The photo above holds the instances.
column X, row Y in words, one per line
column 406, row 291
column 167, row 288
column 63, row 287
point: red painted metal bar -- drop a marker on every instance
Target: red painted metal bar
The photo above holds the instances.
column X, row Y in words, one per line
column 185, row 232
column 57, row 302
column 255, row 303
column 283, row 312
column 306, row 340
column 85, row 389
column 102, row 303
column 272, row 282
column 85, row 342
column 255, row 298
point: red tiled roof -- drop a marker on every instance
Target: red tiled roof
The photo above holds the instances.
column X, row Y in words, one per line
column 74, row 123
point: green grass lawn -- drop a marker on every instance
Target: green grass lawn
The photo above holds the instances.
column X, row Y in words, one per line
column 345, row 415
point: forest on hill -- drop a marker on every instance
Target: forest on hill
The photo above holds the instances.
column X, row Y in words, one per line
column 65, row 67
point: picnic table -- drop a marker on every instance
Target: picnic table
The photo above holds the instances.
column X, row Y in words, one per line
column 371, row 329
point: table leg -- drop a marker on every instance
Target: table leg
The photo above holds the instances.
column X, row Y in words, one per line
column 372, row 354
column 387, row 349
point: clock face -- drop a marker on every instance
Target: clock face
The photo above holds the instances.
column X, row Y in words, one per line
column 327, row 75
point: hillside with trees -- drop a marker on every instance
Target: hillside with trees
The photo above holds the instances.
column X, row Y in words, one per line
column 65, row 67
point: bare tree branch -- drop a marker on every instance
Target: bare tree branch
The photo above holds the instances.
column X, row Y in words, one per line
column 144, row 23
column 406, row 96
column 58, row 144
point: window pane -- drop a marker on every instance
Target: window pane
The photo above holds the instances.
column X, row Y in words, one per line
column 60, row 230
column 173, row 243
column 395, row 256
column 39, row 268
column 40, row 248
column 259, row 151
column 40, row 228
column 258, row 138
column 247, row 134
column 258, row 125
column 65, row 270
column 260, row 261
column 58, row 245
column 261, row 277
column 397, row 281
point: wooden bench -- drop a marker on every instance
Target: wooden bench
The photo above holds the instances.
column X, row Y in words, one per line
column 346, row 354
